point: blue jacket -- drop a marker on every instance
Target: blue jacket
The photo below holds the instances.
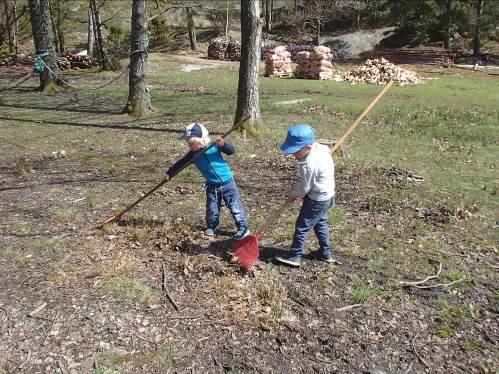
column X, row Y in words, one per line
column 211, row 164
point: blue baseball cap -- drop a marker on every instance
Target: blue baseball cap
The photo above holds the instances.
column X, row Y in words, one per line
column 299, row 136
column 194, row 130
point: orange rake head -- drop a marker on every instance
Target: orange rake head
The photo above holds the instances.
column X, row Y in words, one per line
column 246, row 250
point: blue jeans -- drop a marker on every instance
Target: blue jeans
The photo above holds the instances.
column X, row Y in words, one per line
column 313, row 214
column 229, row 194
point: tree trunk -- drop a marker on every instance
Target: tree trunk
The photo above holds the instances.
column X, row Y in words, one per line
column 227, row 21
column 268, row 15
column 54, row 31
column 10, row 22
column 192, row 29
column 90, row 30
column 59, row 27
column 104, row 62
column 476, row 40
column 247, row 90
column 448, row 12
column 139, row 102
column 318, row 41
column 16, row 25
column 44, row 44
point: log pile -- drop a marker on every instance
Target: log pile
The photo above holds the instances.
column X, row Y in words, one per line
column 268, row 47
column 234, row 51
column 294, row 49
column 316, row 64
column 278, row 63
column 413, row 56
column 66, row 61
column 380, row 71
column 72, row 61
column 217, row 49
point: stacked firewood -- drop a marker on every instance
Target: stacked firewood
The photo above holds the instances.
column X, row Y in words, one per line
column 316, row 64
column 294, row 49
column 381, row 71
column 234, row 51
column 268, row 47
column 278, row 63
column 217, row 49
column 76, row 61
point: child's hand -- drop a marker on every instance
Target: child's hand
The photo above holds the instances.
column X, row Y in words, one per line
column 166, row 178
column 220, row 141
column 290, row 199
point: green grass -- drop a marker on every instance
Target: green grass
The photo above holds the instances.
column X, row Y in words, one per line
column 130, row 289
column 336, row 215
column 362, row 292
column 7, row 252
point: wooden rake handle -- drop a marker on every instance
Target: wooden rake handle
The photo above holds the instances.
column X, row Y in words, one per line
column 361, row 117
column 277, row 213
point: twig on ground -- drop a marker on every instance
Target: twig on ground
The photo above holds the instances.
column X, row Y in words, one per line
column 408, row 284
column 348, row 307
column 281, row 351
column 419, row 284
column 23, row 364
column 63, row 367
column 165, row 289
column 416, row 352
column 146, row 340
column 37, row 310
column 440, row 284
column 51, row 328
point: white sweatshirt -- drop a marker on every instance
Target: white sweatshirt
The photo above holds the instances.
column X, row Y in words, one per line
column 317, row 174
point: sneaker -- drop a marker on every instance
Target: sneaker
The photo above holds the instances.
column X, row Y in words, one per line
column 242, row 233
column 290, row 260
column 318, row 255
column 209, row 232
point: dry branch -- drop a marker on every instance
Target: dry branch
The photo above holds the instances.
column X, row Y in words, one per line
column 408, row 284
column 348, row 307
column 166, row 290
column 420, row 284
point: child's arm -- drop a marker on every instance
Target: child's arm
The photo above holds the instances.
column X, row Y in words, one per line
column 225, row 147
column 305, row 184
column 179, row 164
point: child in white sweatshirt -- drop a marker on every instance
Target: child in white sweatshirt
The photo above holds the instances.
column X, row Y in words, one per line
column 316, row 187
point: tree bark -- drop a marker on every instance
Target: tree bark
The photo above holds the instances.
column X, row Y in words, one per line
column 90, row 30
column 44, row 43
column 139, row 102
column 54, row 31
column 59, row 27
column 476, row 40
column 10, row 25
column 104, row 62
column 192, row 29
column 251, row 35
column 16, row 25
column 448, row 11
column 268, row 14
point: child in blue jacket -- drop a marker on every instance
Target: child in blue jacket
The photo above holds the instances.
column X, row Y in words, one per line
column 220, row 183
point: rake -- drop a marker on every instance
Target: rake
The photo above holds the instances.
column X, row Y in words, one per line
column 246, row 251
column 119, row 215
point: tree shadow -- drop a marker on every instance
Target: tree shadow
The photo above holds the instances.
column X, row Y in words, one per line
column 99, row 126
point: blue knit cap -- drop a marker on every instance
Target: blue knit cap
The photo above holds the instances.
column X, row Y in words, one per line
column 299, row 136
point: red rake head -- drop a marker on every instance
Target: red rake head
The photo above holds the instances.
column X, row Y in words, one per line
column 246, row 250
column 114, row 218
